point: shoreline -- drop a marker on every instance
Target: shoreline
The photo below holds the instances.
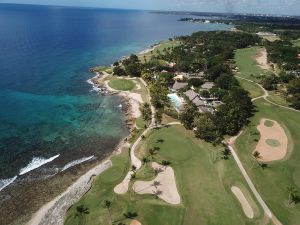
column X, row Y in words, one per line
column 53, row 212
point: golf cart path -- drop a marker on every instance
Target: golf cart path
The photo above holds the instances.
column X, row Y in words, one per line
column 266, row 95
column 258, row 197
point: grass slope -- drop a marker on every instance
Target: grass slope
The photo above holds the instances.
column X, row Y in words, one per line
column 272, row 182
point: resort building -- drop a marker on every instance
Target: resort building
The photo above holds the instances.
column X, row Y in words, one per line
column 204, row 105
column 179, row 85
column 265, row 34
column 191, row 95
column 207, row 85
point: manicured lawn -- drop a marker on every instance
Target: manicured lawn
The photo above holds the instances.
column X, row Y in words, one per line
column 254, row 89
column 121, row 84
column 203, row 180
column 272, row 182
column 247, row 65
column 278, row 98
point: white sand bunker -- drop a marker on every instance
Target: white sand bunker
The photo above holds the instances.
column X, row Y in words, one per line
column 164, row 185
column 273, row 143
column 135, row 222
column 262, row 59
column 244, row 202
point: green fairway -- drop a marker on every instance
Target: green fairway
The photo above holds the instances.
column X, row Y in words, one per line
column 247, row 65
column 121, row 84
column 203, row 180
column 254, row 90
column 273, row 181
column 206, row 200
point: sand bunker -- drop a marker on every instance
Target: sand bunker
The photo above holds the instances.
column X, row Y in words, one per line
column 262, row 59
column 135, row 222
column 244, row 202
column 164, row 185
column 273, row 143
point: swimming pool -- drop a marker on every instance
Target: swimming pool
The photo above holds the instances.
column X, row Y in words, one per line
column 176, row 100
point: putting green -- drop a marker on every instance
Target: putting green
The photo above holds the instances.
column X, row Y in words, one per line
column 121, row 84
column 272, row 142
column 269, row 123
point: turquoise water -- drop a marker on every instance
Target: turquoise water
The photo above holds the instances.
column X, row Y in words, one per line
column 49, row 114
column 176, row 100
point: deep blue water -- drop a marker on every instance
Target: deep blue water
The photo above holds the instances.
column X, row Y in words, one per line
column 46, row 106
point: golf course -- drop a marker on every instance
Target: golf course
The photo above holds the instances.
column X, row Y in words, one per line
column 203, row 179
column 276, row 178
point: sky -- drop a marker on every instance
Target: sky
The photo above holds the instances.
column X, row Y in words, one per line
column 283, row 7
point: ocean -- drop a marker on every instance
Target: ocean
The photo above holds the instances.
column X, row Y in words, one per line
column 51, row 119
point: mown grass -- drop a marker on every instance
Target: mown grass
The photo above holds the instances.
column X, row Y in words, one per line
column 278, row 98
column 254, row 90
column 272, row 182
column 248, row 67
column 140, row 123
column 121, row 84
column 203, row 180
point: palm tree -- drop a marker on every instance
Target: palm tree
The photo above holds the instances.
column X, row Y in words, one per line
column 133, row 168
column 256, row 156
column 107, row 205
column 152, row 152
column 80, row 212
column 157, row 193
column 292, row 191
column 145, row 160
column 165, row 163
column 156, row 184
column 130, row 215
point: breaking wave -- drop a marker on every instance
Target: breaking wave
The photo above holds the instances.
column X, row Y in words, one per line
column 76, row 162
column 5, row 182
column 36, row 163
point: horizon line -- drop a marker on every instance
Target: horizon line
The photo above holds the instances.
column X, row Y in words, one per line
column 151, row 10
